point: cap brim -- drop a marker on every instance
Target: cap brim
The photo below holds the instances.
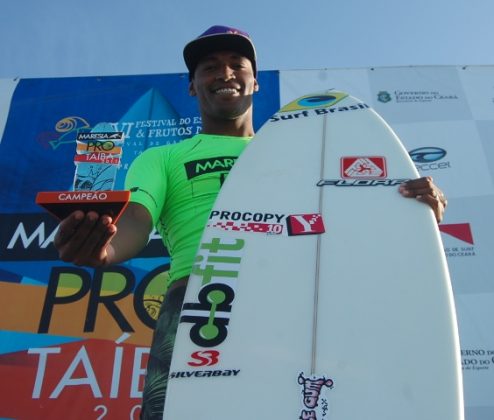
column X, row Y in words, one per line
column 196, row 50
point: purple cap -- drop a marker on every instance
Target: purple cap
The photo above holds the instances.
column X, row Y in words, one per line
column 219, row 38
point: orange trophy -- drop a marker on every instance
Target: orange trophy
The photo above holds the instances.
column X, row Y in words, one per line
column 97, row 160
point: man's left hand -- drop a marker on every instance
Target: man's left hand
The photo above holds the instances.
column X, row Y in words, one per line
column 424, row 190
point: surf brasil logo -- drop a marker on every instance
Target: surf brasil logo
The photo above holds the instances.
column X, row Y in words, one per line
column 315, row 405
column 217, row 264
column 318, row 104
column 283, row 115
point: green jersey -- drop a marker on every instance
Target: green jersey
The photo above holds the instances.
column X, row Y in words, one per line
column 178, row 185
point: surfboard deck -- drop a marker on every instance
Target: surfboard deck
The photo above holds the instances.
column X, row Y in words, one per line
column 318, row 291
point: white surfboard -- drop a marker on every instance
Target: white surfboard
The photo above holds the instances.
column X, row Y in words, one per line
column 319, row 292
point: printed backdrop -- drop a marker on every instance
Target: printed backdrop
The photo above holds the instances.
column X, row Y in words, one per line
column 71, row 336
column 77, row 337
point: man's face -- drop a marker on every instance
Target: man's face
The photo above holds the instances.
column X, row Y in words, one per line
column 224, row 83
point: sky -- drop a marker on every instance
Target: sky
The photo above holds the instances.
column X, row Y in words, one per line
column 65, row 38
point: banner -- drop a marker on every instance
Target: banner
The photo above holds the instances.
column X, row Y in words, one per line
column 74, row 341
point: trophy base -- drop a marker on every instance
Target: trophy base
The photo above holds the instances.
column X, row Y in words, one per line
column 62, row 203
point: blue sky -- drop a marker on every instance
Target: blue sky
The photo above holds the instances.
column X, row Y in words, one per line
column 52, row 38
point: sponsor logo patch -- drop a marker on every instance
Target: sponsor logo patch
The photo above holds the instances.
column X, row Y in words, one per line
column 429, row 158
column 310, row 112
column 305, row 224
column 427, row 154
column 361, row 182
column 204, row 358
column 206, row 166
column 362, row 171
column 363, row 167
column 115, row 135
column 217, row 264
column 204, row 373
column 415, row 96
column 268, row 223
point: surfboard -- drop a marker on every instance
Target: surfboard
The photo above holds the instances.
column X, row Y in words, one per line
column 318, row 291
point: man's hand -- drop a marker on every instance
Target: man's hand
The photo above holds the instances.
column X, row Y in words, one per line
column 424, row 190
column 93, row 240
column 83, row 239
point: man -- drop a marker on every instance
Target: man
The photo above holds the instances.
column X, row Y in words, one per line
column 223, row 70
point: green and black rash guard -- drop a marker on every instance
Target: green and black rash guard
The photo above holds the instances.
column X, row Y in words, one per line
column 178, row 184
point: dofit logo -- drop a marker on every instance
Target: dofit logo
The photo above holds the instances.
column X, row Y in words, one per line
column 218, row 265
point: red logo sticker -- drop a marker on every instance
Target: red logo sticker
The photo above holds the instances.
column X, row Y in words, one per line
column 461, row 231
column 363, row 167
column 305, row 224
column 204, row 358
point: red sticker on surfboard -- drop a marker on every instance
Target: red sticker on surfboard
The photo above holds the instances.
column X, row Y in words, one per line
column 305, row 224
column 363, row 167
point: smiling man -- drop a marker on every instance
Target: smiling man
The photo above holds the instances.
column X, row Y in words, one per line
column 174, row 188
column 226, row 103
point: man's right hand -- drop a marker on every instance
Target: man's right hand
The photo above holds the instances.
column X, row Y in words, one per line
column 84, row 239
column 93, row 240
